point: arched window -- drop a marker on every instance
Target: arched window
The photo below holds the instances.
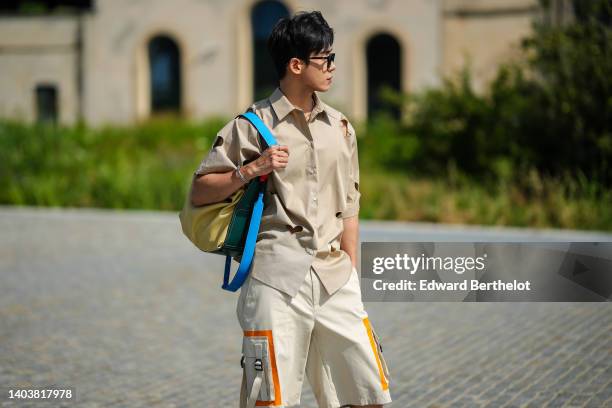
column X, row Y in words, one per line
column 384, row 70
column 165, row 74
column 263, row 17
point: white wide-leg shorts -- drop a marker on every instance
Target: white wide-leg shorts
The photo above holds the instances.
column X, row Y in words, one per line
column 327, row 338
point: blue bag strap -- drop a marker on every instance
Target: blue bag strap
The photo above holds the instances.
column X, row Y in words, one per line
column 261, row 127
column 249, row 245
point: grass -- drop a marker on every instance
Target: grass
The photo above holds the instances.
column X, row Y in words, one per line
column 146, row 166
column 571, row 202
column 149, row 166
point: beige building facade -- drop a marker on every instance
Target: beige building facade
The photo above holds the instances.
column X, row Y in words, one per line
column 121, row 62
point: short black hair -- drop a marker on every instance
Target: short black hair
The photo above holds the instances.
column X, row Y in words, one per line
column 299, row 36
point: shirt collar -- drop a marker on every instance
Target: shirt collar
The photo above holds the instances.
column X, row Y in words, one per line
column 282, row 106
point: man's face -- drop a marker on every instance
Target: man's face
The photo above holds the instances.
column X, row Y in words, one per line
column 318, row 73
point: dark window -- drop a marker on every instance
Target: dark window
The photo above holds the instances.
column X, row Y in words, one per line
column 46, row 103
column 44, row 6
column 263, row 17
column 165, row 70
column 384, row 70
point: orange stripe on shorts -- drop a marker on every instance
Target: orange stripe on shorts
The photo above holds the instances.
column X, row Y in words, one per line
column 383, row 380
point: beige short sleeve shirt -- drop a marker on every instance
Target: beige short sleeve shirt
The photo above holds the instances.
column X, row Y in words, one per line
column 304, row 203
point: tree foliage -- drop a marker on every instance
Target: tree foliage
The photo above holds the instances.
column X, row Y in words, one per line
column 552, row 111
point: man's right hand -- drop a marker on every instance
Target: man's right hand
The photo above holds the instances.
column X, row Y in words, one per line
column 274, row 157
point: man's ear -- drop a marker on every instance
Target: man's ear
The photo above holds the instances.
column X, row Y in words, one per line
column 295, row 66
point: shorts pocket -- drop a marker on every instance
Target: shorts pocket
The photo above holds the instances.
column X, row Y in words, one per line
column 259, row 364
column 381, row 355
column 383, row 370
column 355, row 274
column 242, row 299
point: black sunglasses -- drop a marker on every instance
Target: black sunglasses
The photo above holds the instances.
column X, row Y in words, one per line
column 329, row 59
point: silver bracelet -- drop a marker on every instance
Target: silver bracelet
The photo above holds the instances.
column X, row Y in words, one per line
column 240, row 176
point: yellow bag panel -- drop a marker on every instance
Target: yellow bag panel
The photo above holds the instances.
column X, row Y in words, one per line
column 206, row 226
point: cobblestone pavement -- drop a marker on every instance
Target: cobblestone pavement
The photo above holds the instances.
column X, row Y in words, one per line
column 120, row 306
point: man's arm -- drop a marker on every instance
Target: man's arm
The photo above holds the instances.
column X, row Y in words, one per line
column 350, row 238
column 215, row 187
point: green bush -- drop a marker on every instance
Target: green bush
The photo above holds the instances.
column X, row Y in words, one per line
column 552, row 112
column 145, row 166
column 572, row 73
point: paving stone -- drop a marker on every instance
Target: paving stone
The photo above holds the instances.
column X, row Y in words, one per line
column 120, row 306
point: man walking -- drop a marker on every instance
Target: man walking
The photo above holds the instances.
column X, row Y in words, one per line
column 300, row 308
